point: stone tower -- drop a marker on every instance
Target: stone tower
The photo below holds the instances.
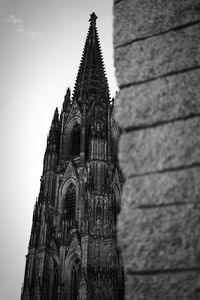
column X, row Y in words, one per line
column 72, row 252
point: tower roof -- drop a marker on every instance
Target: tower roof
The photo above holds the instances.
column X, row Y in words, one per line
column 91, row 82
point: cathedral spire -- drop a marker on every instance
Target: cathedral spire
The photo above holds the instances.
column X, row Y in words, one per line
column 91, row 78
column 74, row 220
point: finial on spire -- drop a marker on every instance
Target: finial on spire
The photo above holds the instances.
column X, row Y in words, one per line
column 67, row 96
column 93, row 18
column 56, row 115
column 67, row 100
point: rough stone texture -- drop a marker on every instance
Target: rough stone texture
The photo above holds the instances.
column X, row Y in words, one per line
column 159, row 55
column 164, row 286
column 168, row 146
column 175, row 187
column 161, row 238
column 134, row 19
column 160, row 100
column 157, row 59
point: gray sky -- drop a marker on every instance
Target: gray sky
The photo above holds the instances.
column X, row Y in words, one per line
column 41, row 47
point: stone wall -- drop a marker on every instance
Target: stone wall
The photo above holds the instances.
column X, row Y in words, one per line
column 157, row 60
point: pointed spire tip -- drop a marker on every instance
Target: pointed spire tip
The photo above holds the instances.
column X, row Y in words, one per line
column 66, row 102
column 56, row 113
column 68, row 92
column 93, row 18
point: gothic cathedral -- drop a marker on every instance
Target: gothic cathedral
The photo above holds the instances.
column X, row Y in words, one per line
column 72, row 252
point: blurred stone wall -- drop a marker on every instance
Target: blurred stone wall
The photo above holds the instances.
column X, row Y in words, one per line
column 157, row 60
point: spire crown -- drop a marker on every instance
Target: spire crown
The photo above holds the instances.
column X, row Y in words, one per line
column 93, row 18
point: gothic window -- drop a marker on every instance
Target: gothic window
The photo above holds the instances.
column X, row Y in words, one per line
column 75, row 140
column 114, row 207
column 55, row 286
column 114, row 141
column 114, row 147
column 70, row 205
column 74, row 285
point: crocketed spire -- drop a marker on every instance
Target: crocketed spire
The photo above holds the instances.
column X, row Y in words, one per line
column 91, row 78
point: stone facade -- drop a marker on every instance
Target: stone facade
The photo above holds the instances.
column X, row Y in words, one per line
column 73, row 254
column 157, row 60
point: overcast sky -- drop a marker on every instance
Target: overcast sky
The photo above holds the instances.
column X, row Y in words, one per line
column 41, row 47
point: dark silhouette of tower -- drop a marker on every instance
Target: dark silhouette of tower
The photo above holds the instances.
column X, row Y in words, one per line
column 72, row 251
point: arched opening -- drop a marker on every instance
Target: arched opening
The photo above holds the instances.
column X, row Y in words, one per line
column 72, row 270
column 70, row 203
column 115, row 204
column 114, row 147
column 55, row 286
column 114, row 141
column 74, row 282
column 75, row 140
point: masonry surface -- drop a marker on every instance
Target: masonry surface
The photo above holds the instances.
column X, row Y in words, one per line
column 157, row 60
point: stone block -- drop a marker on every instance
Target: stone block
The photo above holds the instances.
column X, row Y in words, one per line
column 158, row 56
column 160, row 100
column 136, row 19
column 176, row 187
column 174, row 286
column 159, row 238
column 170, row 146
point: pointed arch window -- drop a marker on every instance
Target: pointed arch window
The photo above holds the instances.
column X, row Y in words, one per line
column 55, row 286
column 115, row 206
column 70, row 202
column 114, row 147
column 75, row 140
column 74, row 283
